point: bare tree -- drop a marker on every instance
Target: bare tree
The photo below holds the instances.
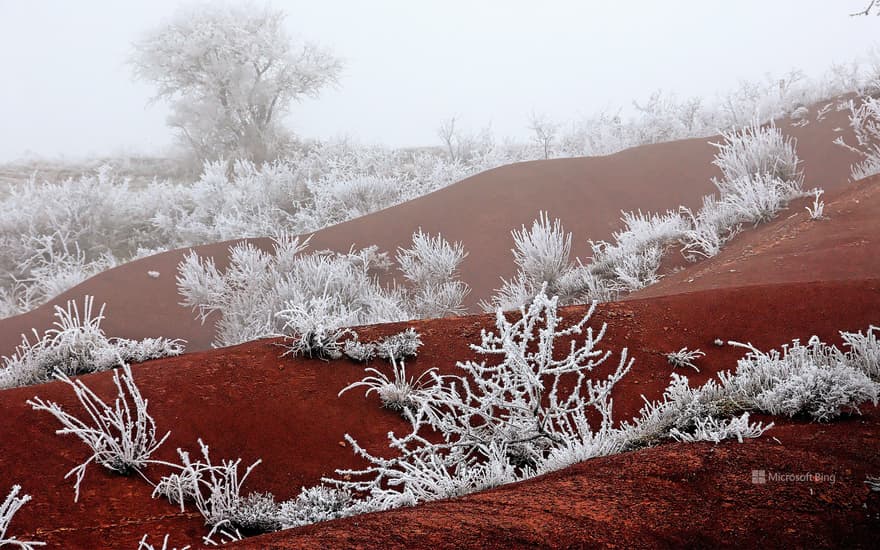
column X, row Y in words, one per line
column 544, row 131
column 230, row 73
column 448, row 134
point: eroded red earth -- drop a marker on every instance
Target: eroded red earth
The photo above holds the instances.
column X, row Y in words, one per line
column 790, row 279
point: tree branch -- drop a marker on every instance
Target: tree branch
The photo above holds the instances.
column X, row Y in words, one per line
column 866, row 11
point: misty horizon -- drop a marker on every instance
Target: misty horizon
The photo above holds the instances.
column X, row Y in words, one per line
column 408, row 68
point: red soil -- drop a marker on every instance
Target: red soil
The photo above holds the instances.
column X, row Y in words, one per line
column 245, row 401
column 673, row 496
column 586, row 193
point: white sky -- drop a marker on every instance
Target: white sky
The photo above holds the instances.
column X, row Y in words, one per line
column 65, row 89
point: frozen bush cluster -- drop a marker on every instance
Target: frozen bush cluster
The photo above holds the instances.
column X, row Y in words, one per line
column 756, row 150
column 55, row 234
column 215, row 491
column 526, row 412
column 542, row 255
column 8, row 509
column 815, row 379
column 761, row 174
column 525, row 409
column 396, row 347
column 500, row 421
column 77, row 345
column 312, row 297
column 315, row 504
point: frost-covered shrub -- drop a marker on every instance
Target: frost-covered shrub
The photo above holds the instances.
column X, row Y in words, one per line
column 315, row 504
column 122, row 437
column 77, row 345
column 638, row 270
column 8, row 509
column 759, row 198
column 822, row 393
column 629, row 263
column 817, row 210
column 392, row 348
column 864, row 120
column 215, row 490
column 685, row 358
column 717, row 430
column 356, row 350
column 500, row 421
column 397, row 392
column 256, row 513
column 681, row 410
column 816, row 380
column 249, row 201
column 864, row 351
column 315, row 329
column 642, row 235
column 761, row 175
column 430, row 266
column 542, row 255
column 339, row 201
column 258, row 285
column 713, row 226
column 757, row 150
column 262, row 294
column 399, row 346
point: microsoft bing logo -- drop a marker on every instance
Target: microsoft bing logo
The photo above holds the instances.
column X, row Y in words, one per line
column 759, row 477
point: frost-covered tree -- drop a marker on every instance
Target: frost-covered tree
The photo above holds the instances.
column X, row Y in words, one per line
column 230, row 73
column 544, row 133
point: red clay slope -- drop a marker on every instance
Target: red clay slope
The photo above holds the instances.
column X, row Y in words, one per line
column 586, row 193
column 245, row 401
column 793, row 248
column 674, row 496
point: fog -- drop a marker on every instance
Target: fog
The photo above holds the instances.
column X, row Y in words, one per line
column 66, row 89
